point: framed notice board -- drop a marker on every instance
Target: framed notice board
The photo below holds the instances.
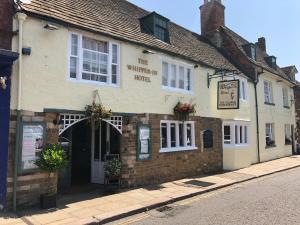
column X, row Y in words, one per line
column 143, row 142
column 32, row 142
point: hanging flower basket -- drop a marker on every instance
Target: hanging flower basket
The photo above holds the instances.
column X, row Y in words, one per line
column 183, row 111
column 97, row 112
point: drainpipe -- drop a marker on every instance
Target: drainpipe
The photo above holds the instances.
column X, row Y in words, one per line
column 256, row 80
column 21, row 17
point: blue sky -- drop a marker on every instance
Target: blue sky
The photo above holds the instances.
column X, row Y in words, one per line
column 276, row 20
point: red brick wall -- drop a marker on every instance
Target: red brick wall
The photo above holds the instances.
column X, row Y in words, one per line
column 169, row 166
column 212, row 16
column 6, row 16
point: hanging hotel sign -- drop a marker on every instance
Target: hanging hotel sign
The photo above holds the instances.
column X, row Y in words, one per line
column 228, row 94
column 142, row 72
column 32, row 143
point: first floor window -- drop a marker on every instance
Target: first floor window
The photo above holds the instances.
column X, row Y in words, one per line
column 243, row 89
column 287, row 136
column 285, row 94
column 176, row 76
column 93, row 60
column 270, row 134
column 177, row 135
column 268, row 90
column 235, row 133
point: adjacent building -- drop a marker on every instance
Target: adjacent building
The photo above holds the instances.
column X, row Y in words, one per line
column 140, row 65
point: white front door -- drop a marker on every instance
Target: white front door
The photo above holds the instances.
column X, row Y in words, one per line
column 100, row 143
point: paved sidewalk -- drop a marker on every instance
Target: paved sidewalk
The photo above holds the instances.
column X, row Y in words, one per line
column 105, row 209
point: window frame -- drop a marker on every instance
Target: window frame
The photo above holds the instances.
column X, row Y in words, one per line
column 79, row 72
column 285, row 96
column 268, row 97
column 188, row 71
column 239, row 134
column 288, row 134
column 272, row 135
column 178, row 148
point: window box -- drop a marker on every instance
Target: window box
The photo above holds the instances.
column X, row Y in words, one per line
column 269, row 103
column 286, row 107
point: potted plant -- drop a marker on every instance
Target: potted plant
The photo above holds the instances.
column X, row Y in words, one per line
column 96, row 111
column 52, row 159
column 183, row 110
column 112, row 171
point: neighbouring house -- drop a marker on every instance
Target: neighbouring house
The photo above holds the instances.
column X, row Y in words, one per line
column 144, row 68
column 7, row 57
column 268, row 88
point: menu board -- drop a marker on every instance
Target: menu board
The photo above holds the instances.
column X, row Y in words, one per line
column 32, row 145
column 144, row 142
column 228, row 94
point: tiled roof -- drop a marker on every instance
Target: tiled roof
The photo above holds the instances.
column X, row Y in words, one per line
column 120, row 19
column 260, row 55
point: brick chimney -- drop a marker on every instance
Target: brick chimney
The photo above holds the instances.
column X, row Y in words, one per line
column 6, row 20
column 261, row 43
column 212, row 16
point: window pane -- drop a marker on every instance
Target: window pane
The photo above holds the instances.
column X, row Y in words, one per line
column 173, row 135
column 74, row 45
column 227, row 135
column 181, row 135
column 115, row 54
column 241, row 135
column 73, row 67
column 173, row 76
column 181, row 77
column 246, row 135
column 114, row 74
column 189, row 134
column 188, row 80
column 165, row 74
column 164, row 142
column 95, row 45
column 236, row 135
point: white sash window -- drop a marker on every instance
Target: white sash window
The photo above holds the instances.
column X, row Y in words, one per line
column 92, row 60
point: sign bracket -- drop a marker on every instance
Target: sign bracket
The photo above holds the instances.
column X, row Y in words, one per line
column 223, row 73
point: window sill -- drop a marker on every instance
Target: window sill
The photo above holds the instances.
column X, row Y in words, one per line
column 166, row 150
column 93, row 83
column 271, row 146
column 269, row 103
column 286, row 107
column 288, row 144
column 177, row 90
column 235, row 146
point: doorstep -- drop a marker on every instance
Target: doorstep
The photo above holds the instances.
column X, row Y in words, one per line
column 101, row 210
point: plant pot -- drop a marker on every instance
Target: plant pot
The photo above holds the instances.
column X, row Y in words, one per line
column 48, row 201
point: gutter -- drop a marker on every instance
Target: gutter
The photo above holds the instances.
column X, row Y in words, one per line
column 21, row 17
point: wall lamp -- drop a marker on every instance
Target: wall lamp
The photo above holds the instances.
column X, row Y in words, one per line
column 3, row 82
column 49, row 26
column 147, row 51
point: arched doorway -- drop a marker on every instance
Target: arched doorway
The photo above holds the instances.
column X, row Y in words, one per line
column 87, row 145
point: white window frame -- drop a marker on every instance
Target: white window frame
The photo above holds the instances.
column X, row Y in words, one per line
column 186, row 147
column 272, row 133
column 287, row 133
column 239, row 134
column 186, row 67
column 243, row 89
column 80, row 61
column 285, row 96
column 268, row 96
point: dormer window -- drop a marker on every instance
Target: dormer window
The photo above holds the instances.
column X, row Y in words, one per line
column 157, row 26
column 250, row 50
column 271, row 60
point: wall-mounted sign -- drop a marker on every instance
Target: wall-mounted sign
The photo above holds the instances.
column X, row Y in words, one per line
column 143, row 142
column 144, row 73
column 208, row 139
column 228, row 94
column 32, row 143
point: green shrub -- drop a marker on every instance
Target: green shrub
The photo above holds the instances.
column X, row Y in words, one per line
column 113, row 167
column 52, row 159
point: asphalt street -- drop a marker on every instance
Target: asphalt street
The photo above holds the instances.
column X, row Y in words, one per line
column 272, row 200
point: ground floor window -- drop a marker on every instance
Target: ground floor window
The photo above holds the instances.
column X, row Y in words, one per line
column 177, row 136
column 287, row 136
column 235, row 133
column 270, row 135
